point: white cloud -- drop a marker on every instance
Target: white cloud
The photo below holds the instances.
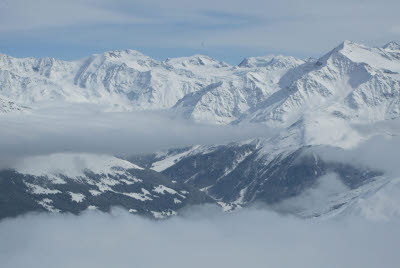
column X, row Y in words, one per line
column 85, row 128
column 316, row 197
column 202, row 238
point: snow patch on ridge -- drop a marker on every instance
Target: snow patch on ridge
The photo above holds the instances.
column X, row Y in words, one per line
column 72, row 165
column 161, row 189
column 171, row 160
column 163, row 214
column 144, row 196
column 46, row 203
column 76, row 197
column 36, row 189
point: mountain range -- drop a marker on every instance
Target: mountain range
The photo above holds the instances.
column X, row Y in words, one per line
column 312, row 104
column 352, row 81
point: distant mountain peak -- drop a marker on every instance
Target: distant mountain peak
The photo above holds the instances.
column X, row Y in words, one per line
column 349, row 45
column 196, row 60
column 357, row 53
column 272, row 89
column 264, row 61
column 392, row 46
column 120, row 53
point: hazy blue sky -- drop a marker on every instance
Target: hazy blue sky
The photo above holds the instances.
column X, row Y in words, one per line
column 226, row 29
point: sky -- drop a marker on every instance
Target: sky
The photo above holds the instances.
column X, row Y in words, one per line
column 228, row 30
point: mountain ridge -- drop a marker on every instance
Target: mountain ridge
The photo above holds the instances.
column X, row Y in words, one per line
column 310, row 104
column 351, row 81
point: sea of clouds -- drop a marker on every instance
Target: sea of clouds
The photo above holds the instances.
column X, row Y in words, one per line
column 201, row 237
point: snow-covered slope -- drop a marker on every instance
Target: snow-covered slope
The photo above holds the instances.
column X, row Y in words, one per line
column 376, row 200
column 392, row 46
column 123, row 79
column 310, row 103
column 72, row 182
column 352, row 81
column 286, row 165
column 72, row 165
column 129, row 80
column 8, row 106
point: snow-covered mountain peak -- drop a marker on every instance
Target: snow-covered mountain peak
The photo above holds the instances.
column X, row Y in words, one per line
column 345, row 49
column 351, row 44
column 272, row 61
column 194, row 61
column 126, row 55
column 392, row 46
column 351, row 81
column 121, row 53
column 4, row 57
column 256, row 61
column 349, row 52
column 130, row 58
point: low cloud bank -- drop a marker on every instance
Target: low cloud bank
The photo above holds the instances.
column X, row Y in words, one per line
column 85, row 128
column 316, row 197
column 378, row 152
column 202, row 237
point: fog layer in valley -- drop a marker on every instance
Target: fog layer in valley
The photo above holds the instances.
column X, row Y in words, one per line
column 202, row 238
column 86, row 128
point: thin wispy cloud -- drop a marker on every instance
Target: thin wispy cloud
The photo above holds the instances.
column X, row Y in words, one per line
column 22, row 15
column 306, row 28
